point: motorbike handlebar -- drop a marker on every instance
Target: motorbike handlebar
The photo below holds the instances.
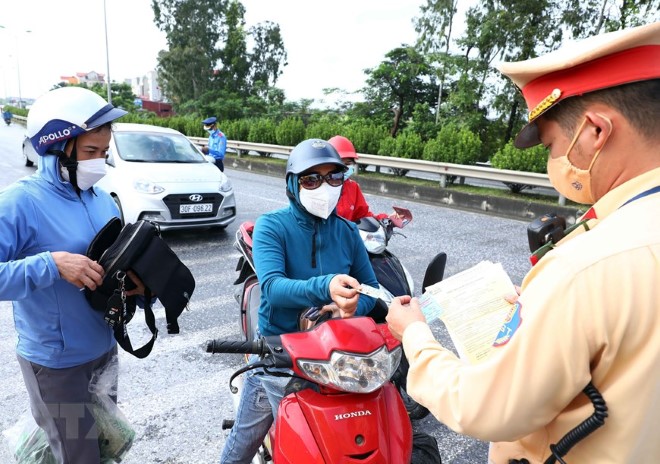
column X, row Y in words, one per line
column 234, row 346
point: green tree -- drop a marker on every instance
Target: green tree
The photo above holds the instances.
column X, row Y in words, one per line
column 435, row 27
column 399, row 83
column 193, row 28
column 122, row 94
column 208, row 65
column 589, row 17
column 267, row 59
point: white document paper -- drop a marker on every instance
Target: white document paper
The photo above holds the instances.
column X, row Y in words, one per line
column 471, row 304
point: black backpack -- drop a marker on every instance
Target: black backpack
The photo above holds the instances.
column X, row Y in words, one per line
column 138, row 247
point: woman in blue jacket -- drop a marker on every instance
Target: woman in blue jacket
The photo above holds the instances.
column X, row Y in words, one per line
column 305, row 255
column 47, row 220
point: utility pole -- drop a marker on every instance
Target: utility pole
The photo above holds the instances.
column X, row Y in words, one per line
column 107, row 55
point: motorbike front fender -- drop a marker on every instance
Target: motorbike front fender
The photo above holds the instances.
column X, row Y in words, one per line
column 313, row 427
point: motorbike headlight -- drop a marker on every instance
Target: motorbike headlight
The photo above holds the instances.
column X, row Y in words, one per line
column 374, row 241
column 352, row 372
column 146, row 186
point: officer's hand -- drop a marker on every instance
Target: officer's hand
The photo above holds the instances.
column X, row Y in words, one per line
column 512, row 298
column 403, row 311
column 343, row 291
column 78, row 269
column 205, row 150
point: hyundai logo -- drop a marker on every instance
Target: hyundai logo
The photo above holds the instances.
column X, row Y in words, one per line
column 195, row 197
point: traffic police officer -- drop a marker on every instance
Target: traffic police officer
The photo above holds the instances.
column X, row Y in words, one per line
column 588, row 314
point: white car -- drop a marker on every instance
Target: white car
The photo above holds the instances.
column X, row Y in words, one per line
column 156, row 173
column 29, row 154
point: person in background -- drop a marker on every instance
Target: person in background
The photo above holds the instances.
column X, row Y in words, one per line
column 7, row 115
column 217, row 145
column 304, row 255
column 47, row 221
column 352, row 204
column 588, row 314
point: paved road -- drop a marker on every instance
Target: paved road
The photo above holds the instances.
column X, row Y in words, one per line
column 177, row 397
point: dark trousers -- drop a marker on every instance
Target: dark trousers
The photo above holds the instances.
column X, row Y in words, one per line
column 220, row 164
column 59, row 400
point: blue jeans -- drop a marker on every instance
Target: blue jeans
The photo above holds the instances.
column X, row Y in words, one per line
column 260, row 398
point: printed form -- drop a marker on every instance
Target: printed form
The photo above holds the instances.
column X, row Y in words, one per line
column 471, row 304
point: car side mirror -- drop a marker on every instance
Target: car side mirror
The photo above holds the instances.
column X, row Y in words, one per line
column 210, row 159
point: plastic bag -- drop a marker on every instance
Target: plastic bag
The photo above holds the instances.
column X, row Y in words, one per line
column 28, row 442
column 116, row 435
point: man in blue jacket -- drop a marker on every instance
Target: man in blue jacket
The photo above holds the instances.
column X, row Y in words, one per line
column 47, row 221
column 217, row 142
column 305, row 255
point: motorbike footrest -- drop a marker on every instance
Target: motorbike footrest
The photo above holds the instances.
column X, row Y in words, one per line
column 227, row 424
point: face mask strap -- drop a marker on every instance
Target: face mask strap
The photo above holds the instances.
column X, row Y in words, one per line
column 609, row 122
column 70, row 163
column 575, row 137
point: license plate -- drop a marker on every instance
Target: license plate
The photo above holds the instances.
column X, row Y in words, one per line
column 197, row 208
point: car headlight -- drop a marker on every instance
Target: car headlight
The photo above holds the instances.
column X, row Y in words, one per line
column 352, row 372
column 374, row 241
column 146, row 186
column 225, row 185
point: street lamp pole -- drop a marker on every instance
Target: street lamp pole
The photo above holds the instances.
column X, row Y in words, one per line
column 107, row 55
column 18, row 67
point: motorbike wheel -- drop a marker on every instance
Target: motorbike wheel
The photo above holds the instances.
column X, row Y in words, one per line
column 415, row 410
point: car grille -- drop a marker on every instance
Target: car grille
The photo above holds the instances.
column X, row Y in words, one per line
column 173, row 202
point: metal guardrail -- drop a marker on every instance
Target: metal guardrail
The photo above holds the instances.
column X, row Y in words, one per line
column 430, row 167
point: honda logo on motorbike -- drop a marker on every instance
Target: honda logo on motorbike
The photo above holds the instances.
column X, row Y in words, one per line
column 348, row 415
column 195, row 197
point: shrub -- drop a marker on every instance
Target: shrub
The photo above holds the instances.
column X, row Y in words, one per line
column 366, row 137
column 236, row 130
column 453, row 145
column 290, row 132
column 262, row 131
column 532, row 159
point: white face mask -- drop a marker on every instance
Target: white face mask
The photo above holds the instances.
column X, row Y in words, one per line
column 321, row 201
column 88, row 172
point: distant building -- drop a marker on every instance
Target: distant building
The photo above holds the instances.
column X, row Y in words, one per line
column 150, row 97
column 88, row 79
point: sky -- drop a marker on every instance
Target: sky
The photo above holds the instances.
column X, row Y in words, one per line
column 329, row 43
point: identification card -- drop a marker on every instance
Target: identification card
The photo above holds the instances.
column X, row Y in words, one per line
column 369, row 291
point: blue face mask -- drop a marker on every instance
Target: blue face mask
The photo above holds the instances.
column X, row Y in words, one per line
column 349, row 172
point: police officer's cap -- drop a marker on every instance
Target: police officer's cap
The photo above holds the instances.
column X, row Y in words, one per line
column 599, row 62
column 209, row 121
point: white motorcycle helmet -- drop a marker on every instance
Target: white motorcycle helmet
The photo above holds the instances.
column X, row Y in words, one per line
column 65, row 113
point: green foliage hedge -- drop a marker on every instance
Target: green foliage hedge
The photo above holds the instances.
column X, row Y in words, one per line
column 453, row 144
column 529, row 160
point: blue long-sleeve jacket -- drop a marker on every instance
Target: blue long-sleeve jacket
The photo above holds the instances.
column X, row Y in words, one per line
column 217, row 144
column 296, row 255
column 41, row 214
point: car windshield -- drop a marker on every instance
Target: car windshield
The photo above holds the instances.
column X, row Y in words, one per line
column 151, row 147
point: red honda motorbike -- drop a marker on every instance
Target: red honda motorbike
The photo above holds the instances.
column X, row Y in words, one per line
column 340, row 406
column 393, row 278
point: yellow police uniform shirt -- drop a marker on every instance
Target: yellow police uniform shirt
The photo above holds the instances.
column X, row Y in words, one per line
column 588, row 311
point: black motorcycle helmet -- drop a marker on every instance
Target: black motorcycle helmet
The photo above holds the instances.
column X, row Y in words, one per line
column 310, row 153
